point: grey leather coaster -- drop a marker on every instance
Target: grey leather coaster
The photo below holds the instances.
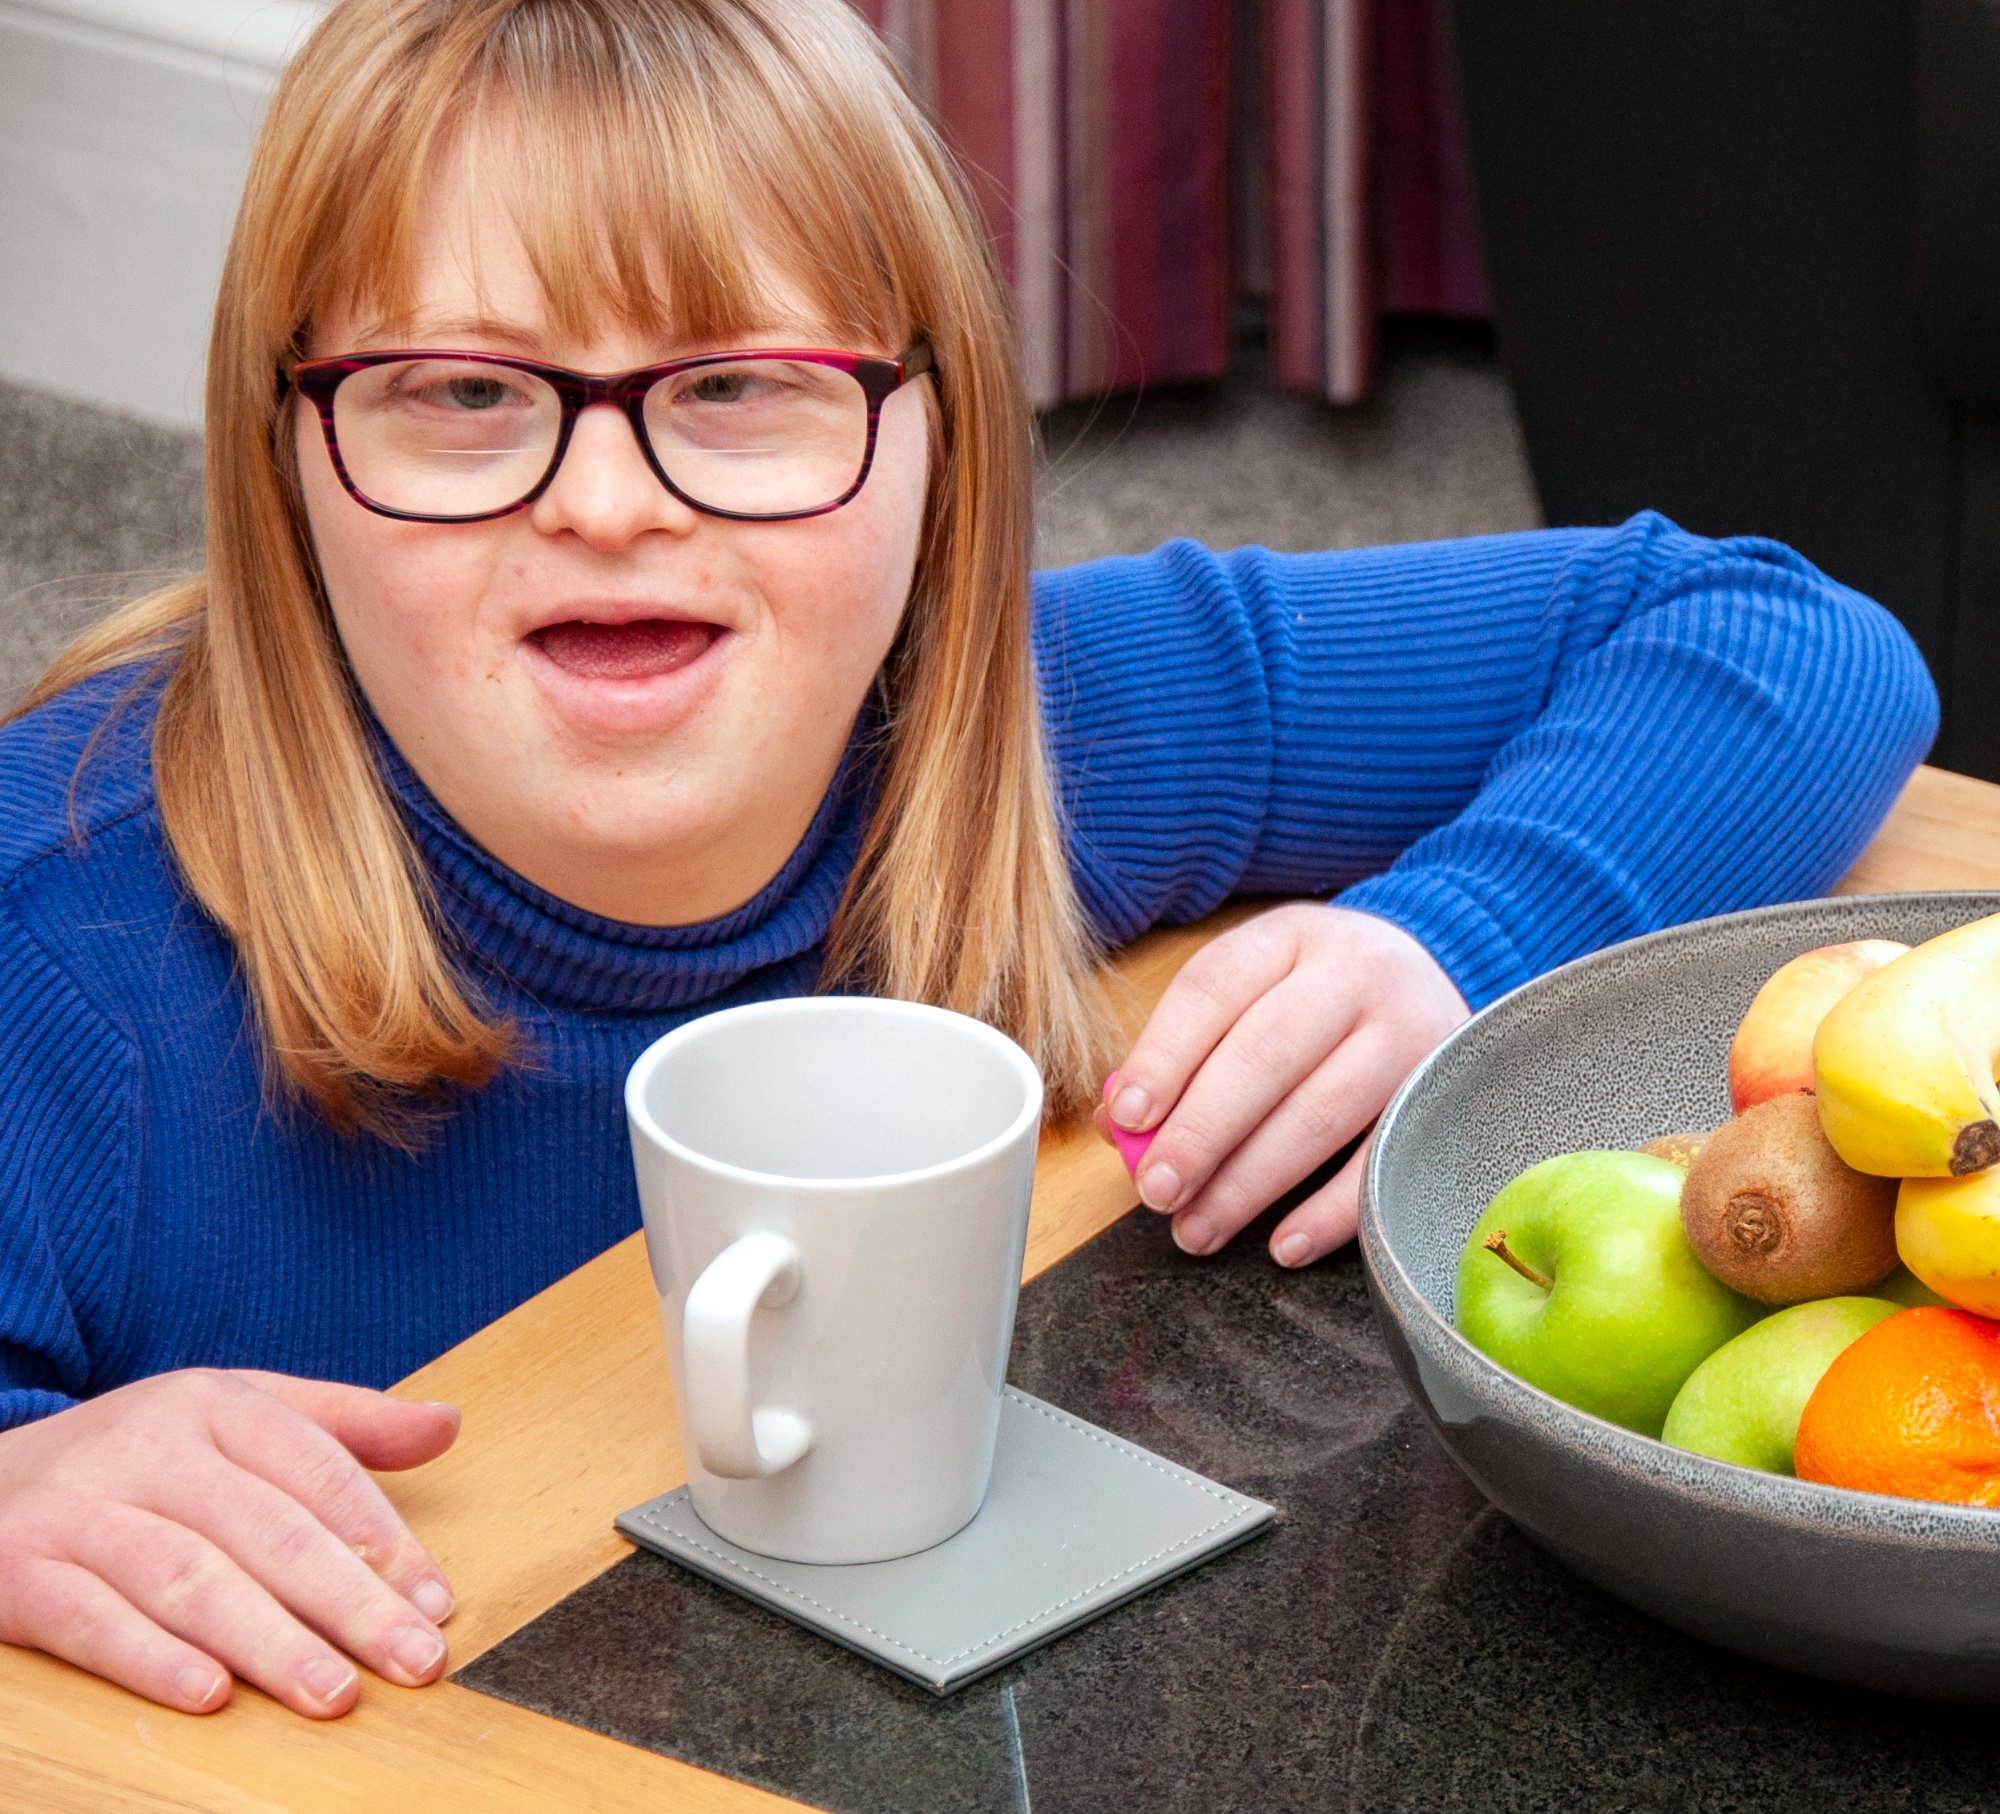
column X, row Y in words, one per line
column 1076, row 1521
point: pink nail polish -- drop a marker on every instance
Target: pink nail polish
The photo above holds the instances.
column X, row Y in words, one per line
column 1131, row 1147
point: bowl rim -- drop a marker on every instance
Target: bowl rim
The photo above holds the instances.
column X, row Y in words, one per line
column 1719, row 1483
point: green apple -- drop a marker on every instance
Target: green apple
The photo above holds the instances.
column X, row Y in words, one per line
column 1579, row 1279
column 1742, row 1404
column 1904, row 1288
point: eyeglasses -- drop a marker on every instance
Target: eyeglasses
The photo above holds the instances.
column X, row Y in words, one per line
column 759, row 436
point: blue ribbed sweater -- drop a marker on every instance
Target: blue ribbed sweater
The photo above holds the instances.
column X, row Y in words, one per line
column 1518, row 748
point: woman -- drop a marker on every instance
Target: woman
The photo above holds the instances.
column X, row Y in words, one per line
column 617, row 606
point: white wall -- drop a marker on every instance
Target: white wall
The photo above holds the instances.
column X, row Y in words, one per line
column 125, row 129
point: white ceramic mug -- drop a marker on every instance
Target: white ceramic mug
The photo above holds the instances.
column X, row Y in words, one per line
column 835, row 1192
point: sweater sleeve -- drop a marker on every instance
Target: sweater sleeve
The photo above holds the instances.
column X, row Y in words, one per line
column 67, row 1112
column 1518, row 748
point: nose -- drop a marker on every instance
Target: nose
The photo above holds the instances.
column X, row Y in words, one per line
column 604, row 491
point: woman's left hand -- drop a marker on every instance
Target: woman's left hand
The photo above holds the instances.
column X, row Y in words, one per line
column 1275, row 1046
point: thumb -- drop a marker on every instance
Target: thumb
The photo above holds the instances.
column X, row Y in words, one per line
column 377, row 1430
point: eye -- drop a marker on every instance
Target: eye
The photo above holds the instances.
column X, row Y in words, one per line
column 727, row 386
column 468, row 392
column 437, row 389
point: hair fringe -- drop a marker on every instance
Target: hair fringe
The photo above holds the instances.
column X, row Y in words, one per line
column 275, row 811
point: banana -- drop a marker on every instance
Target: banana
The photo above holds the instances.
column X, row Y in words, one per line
column 1948, row 1234
column 1903, row 1063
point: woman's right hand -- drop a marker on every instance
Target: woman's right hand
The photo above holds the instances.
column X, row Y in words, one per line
column 202, row 1524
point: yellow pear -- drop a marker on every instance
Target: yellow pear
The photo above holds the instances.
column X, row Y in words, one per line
column 1903, row 1062
column 1948, row 1234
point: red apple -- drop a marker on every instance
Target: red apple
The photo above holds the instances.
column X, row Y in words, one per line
column 1771, row 1054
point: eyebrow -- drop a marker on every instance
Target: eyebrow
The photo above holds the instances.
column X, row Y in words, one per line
column 442, row 330
column 451, row 327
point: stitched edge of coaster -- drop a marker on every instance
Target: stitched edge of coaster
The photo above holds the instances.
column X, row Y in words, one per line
column 1239, row 1508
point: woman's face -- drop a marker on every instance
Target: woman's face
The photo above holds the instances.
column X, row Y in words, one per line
column 634, row 705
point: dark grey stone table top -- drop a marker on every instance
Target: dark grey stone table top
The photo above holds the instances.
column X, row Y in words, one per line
column 1393, row 1645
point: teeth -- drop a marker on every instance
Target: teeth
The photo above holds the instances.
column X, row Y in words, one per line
column 1903, row 1063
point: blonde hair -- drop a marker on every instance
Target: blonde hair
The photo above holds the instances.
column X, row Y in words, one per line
column 779, row 117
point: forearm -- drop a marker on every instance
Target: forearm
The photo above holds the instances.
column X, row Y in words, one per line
column 1546, row 741
column 1734, row 741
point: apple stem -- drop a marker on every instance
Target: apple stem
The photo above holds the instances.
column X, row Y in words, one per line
column 1496, row 1243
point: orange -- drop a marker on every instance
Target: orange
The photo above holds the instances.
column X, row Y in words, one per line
column 1912, row 1408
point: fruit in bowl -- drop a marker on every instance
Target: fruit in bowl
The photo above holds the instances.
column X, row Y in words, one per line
column 1857, row 1178
column 1903, row 1062
column 1771, row 1054
column 1886, row 1593
column 1579, row 1278
column 1948, row 1233
column 1743, row 1403
column 1773, row 1211
column 1911, row 1408
column 1904, row 1287
column 1679, row 1148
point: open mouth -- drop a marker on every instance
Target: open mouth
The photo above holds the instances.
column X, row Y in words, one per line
column 643, row 649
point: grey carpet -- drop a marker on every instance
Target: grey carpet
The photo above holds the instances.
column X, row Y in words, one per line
column 96, row 508
column 1435, row 452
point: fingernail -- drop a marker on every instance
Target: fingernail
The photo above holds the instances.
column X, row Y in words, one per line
column 1159, row 1186
column 325, row 1680
column 1293, row 1250
column 433, row 1599
column 198, row 1687
column 1193, row 1234
column 1129, row 1106
column 417, row 1652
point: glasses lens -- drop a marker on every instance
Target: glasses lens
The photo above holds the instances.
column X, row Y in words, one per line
column 445, row 437
column 760, row 437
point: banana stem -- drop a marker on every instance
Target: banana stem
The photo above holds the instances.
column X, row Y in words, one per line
column 1976, row 1147
column 1496, row 1244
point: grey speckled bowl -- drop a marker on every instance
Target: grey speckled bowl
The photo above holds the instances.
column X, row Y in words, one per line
column 1892, row 1594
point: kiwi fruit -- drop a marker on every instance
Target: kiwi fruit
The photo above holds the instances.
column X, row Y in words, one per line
column 1677, row 1149
column 1771, row 1209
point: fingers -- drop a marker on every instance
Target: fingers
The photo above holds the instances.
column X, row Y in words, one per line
column 1197, row 1010
column 1254, row 1079
column 1276, row 1046
column 308, row 1467
column 1344, row 1093
column 70, row 1613
column 206, row 1522
column 1327, row 1218
column 301, row 1565
column 185, row 1585
column 377, row 1430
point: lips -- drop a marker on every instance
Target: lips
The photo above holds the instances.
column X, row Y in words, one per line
column 643, row 649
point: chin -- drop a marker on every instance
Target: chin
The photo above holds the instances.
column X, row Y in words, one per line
column 622, row 817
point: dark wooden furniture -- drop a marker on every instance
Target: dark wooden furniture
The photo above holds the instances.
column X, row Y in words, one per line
column 1745, row 266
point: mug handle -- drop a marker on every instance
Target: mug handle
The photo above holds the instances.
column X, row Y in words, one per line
column 733, row 1439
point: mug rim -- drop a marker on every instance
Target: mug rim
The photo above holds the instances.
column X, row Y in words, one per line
column 690, row 1032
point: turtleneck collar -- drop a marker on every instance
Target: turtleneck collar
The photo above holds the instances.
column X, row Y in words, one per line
column 569, row 959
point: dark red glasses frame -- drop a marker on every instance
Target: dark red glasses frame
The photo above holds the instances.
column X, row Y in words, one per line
column 317, row 380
